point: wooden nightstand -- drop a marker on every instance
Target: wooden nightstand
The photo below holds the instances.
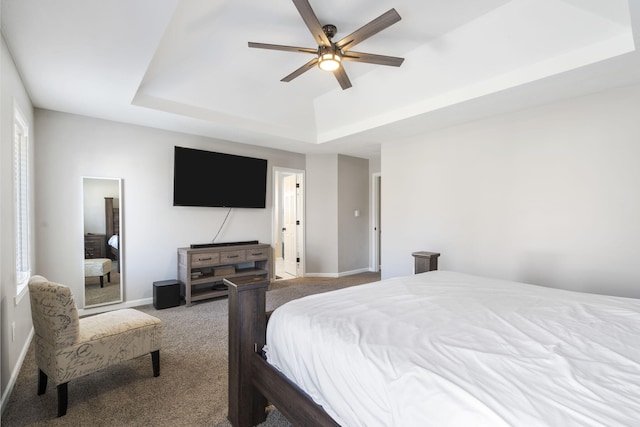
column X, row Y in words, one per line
column 95, row 245
column 425, row 261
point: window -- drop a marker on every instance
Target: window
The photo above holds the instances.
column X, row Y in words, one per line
column 21, row 200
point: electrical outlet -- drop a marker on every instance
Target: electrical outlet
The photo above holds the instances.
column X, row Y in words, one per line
column 13, row 331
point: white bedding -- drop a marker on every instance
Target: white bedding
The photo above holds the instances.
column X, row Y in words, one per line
column 449, row 349
column 113, row 241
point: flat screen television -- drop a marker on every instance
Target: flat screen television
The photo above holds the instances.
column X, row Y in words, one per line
column 207, row 178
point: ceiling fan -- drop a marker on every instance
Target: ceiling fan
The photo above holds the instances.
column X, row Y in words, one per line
column 330, row 54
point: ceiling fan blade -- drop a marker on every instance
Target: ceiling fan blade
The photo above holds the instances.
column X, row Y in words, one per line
column 370, row 58
column 306, row 67
column 380, row 23
column 285, row 48
column 343, row 79
column 310, row 18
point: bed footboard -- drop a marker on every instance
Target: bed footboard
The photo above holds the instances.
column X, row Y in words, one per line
column 251, row 379
column 247, row 333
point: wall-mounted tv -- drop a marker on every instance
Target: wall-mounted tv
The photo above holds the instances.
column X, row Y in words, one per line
column 207, row 178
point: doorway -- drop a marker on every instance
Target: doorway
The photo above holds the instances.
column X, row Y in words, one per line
column 288, row 223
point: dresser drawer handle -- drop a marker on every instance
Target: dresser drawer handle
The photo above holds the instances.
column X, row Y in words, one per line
column 204, row 259
column 233, row 256
column 257, row 254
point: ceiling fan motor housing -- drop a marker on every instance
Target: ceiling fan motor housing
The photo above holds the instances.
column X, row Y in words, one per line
column 329, row 30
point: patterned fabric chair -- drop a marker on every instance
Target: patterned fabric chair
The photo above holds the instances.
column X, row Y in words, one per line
column 67, row 347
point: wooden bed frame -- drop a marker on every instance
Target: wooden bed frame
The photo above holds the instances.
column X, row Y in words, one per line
column 112, row 226
column 252, row 381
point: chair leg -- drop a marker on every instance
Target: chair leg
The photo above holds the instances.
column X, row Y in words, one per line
column 42, row 382
column 109, row 277
column 155, row 361
column 102, row 281
column 62, row 399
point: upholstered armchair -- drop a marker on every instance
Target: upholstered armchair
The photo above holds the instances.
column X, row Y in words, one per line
column 67, row 347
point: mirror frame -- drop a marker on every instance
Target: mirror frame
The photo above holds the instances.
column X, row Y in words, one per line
column 120, row 239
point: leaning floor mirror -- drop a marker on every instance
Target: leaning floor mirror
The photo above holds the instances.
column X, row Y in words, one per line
column 102, row 230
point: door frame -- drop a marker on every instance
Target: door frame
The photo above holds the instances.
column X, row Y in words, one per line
column 278, row 172
column 375, row 236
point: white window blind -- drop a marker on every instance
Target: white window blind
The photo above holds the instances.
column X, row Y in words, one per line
column 22, row 197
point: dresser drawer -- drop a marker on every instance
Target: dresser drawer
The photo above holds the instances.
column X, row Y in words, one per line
column 253, row 254
column 205, row 260
column 94, row 245
column 232, row 256
column 202, row 268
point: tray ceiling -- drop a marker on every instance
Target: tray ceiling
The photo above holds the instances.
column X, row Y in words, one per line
column 184, row 65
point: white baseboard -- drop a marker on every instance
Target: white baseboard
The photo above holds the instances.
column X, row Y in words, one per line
column 16, row 372
column 341, row 274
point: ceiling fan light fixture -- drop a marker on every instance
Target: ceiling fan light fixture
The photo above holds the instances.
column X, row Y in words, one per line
column 329, row 58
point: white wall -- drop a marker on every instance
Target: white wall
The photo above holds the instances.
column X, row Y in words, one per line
column 12, row 348
column 71, row 146
column 547, row 196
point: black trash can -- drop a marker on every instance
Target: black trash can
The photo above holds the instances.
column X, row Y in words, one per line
column 166, row 293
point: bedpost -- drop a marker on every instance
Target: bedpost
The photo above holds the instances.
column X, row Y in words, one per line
column 425, row 261
column 247, row 332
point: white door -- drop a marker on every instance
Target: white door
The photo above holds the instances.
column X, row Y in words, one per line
column 290, row 240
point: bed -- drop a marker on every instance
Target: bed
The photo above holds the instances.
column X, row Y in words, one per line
column 437, row 348
column 112, row 227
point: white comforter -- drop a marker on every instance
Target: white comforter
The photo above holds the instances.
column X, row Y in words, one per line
column 448, row 349
column 113, row 241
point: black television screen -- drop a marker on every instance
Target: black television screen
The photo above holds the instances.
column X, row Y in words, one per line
column 206, row 178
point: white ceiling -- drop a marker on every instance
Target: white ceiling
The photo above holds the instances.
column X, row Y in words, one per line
column 184, row 65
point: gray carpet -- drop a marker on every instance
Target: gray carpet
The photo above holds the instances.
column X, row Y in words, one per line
column 192, row 387
column 110, row 291
column 95, row 295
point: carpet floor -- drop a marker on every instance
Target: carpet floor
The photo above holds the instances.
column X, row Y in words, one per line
column 192, row 387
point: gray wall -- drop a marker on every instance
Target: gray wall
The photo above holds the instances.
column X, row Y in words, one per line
column 353, row 194
column 337, row 242
column 12, row 311
column 547, row 196
column 94, row 192
column 321, row 187
column 71, row 146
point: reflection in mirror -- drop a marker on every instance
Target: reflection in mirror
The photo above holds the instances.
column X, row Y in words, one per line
column 102, row 211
